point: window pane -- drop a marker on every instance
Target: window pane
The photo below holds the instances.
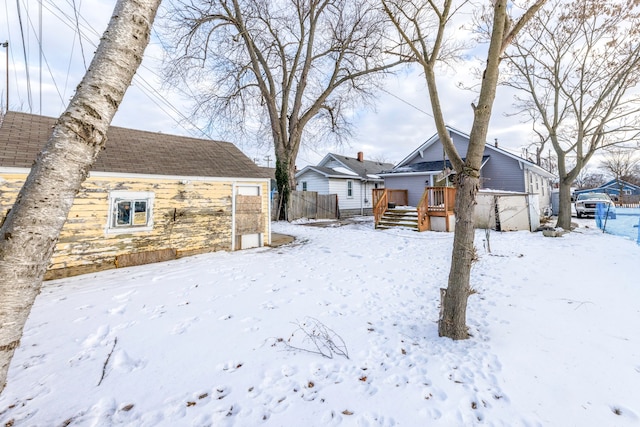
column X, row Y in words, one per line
column 140, row 215
column 123, row 216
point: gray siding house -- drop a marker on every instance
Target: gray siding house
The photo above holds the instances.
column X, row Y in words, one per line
column 352, row 179
column 428, row 166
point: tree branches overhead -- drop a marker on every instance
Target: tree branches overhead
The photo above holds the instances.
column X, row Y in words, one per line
column 283, row 70
column 577, row 66
column 285, row 62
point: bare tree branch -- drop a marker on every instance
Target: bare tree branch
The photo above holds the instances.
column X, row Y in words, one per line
column 579, row 65
column 272, row 69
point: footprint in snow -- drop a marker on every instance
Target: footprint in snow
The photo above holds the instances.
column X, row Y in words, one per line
column 124, row 296
column 230, row 366
column 96, row 338
column 118, row 310
column 183, row 326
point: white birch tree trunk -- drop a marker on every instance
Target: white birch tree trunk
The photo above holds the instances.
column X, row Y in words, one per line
column 31, row 230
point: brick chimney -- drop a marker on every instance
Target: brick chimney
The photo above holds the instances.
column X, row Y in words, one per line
column 360, row 156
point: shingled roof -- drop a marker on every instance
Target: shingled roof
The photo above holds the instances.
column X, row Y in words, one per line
column 363, row 168
column 431, row 166
column 22, row 136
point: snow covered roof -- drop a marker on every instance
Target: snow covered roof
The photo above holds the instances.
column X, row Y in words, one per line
column 350, row 167
column 345, row 171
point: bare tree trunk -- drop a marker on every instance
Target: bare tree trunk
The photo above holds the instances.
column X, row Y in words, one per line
column 407, row 17
column 286, row 154
column 564, row 214
column 30, row 232
column 285, row 179
column 453, row 322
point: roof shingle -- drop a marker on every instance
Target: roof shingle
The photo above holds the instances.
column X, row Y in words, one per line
column 22, row 137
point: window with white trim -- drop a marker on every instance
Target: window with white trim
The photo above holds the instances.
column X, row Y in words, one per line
column 304, row 185
column 349, row 188
column 130, row 211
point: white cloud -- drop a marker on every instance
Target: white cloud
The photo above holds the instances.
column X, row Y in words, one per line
column 401, row 121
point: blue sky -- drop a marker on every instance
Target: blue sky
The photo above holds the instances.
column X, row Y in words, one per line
column 401, row 120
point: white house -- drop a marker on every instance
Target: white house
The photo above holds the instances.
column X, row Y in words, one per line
column 352, row 179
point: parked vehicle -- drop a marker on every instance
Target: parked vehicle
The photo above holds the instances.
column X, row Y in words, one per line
column 587, row 204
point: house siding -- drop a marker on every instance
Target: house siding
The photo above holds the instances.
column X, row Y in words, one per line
column 413, row 184
column 436, row 151
column 339, row 187
column 332, row 163
column 189, row 217
column 362, row 191
column 315, row 182
column 500, row 172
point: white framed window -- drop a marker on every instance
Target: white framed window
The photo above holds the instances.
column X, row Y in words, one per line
column 130, row 211
column 349, row 189
column 627, row 191
column 304, row 185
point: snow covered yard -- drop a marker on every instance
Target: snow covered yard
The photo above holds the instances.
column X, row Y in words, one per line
column 203, row 340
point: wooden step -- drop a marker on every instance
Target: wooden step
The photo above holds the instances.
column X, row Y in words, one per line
column 399, row 218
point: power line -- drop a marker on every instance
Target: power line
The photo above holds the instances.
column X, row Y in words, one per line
column 147, row 89
column 80, row 26
column 40, row 54
column 26, row 60
column 11, row 43
column 75, row 11
column 408, row 103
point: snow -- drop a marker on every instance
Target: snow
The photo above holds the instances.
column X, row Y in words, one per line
column 344, row 171
column 626, row 223
column 202, row 340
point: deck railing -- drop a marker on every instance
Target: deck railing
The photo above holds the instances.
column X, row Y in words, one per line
column 435, row 201
column 440, row 199
column 380, row 203
column 382, row 197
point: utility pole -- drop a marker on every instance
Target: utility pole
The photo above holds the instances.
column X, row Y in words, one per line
column 6, row 46
column 268, row 160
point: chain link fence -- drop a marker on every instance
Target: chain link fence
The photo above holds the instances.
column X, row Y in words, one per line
column 625, row 222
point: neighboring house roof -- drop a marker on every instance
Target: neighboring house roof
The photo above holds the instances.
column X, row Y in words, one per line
column 22, row 137
column 268, row 172
column 612, row 185
column 351, row 168
column 489, row 148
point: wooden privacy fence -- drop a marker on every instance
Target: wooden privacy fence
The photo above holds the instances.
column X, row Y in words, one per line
column 308, row 204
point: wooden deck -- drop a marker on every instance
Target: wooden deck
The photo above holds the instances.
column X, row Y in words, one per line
column 435, row 202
